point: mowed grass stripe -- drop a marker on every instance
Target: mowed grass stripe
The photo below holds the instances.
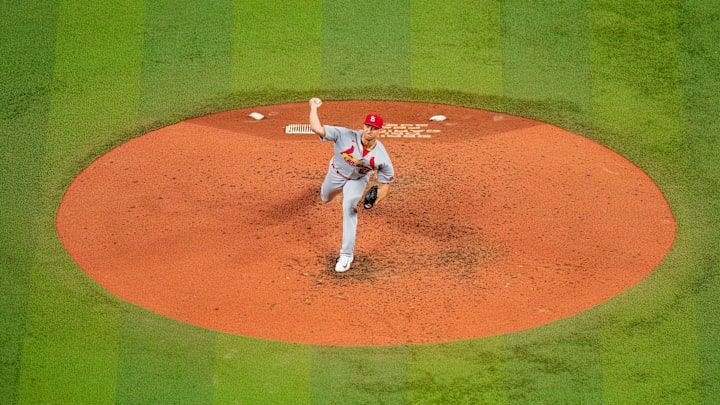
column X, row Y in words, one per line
column 650, row 350
column 186, row 62
column 164, row 361
column 71, row 345
column 253, row 371
column 276, row 47
column 700, row 66
column 546, row 60
column 359, row 375
column 636, row 90
column 545, row 53
column 463, row 372
column 27, row 46
column 366, row 44
column 457, row 47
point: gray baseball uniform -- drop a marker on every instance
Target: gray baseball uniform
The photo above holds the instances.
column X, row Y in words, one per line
column 348, row 172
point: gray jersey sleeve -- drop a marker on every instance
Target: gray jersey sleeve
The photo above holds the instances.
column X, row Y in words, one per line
column 385, row 171
column 332, row 133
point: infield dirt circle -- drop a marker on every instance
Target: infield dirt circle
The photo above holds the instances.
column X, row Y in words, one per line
column 494, row 224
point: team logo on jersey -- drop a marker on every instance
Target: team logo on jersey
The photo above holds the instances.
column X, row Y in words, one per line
column 353, row 161
column 349, row 157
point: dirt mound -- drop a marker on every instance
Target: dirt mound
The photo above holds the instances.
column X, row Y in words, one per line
column 495, row 224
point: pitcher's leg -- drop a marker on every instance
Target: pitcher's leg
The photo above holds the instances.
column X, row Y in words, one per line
column 332, row 185
column 352, row 192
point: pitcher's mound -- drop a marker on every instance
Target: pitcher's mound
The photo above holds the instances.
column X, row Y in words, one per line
column 495, row 224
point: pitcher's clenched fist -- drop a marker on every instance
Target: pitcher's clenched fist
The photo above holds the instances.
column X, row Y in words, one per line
column 315, row 102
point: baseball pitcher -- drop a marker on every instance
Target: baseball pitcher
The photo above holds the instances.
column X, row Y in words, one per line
column 356, row 153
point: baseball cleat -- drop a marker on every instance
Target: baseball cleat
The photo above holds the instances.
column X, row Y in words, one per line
column 343, row 263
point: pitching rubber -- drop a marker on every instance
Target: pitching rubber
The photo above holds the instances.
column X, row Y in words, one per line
column 298, row 129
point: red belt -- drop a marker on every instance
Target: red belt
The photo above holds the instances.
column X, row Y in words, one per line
column 340, row 174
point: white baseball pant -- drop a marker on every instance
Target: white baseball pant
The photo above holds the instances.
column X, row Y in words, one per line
column 352, row 192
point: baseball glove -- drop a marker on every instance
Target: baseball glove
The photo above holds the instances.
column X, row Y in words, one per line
column 370, row 198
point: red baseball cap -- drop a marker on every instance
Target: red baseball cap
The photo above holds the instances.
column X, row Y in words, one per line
column 374, row 120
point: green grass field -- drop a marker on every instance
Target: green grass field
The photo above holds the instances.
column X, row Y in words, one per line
column 79, row 77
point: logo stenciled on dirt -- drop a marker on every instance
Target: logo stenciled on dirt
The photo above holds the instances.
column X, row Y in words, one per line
column 407, row 131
